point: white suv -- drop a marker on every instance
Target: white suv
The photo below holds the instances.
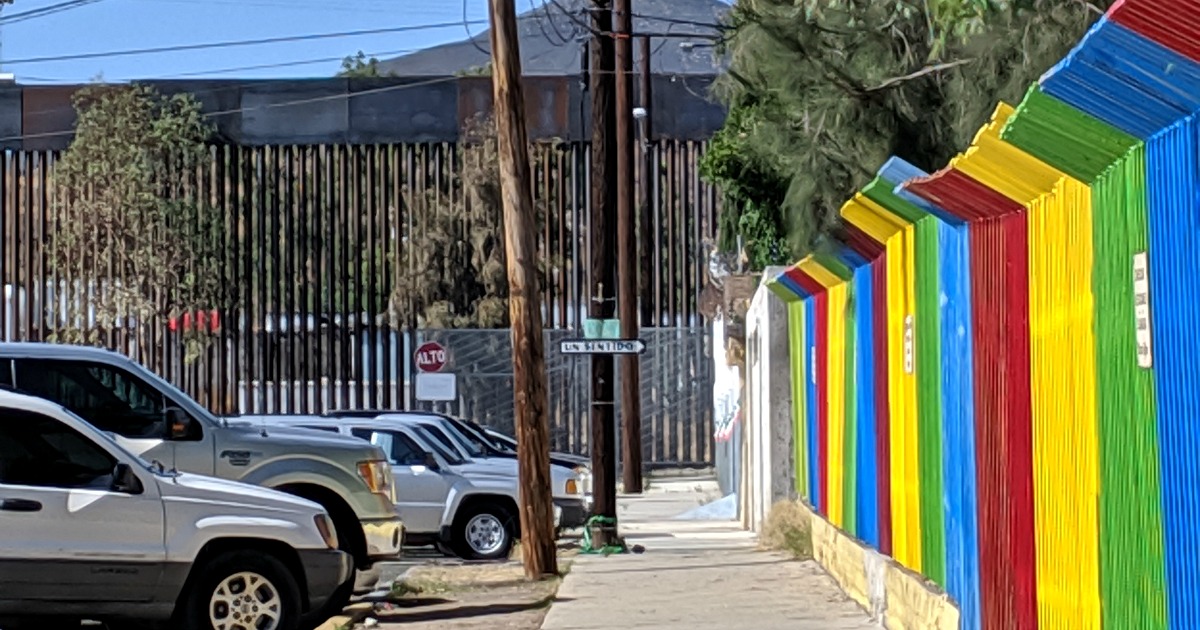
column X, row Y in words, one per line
column 465, row 508
column 92, row 531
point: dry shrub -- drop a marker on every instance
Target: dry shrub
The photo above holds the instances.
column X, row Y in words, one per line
column 788, row 529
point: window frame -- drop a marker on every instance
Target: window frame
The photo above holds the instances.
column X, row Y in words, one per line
column 397, row 437
column 61, row 369
column 111, row 459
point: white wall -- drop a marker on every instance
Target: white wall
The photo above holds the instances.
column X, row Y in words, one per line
column 767, row 416
column 727, row 401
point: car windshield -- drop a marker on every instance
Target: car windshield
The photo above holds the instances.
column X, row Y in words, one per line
column 504, row 440
column 154, row 466
column 431, row 438
column 476, row 440
column 453, row 438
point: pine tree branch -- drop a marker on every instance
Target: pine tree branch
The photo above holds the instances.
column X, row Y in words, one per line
column 927, row 70
column 1090, row 7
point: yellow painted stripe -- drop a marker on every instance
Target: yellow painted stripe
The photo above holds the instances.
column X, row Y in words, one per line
column 898, row 237
column 835, row 435
column 799, row 361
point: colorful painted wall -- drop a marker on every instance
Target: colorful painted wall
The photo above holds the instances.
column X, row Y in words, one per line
column 995, row 368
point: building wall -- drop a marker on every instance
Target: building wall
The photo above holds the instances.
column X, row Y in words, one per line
column 770, row 466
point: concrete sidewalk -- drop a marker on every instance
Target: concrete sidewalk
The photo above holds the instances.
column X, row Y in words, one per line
column 696, row 575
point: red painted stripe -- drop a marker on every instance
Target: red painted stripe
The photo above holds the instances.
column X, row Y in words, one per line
column 1159, row 21
column 1003, row 413
column 818, row 292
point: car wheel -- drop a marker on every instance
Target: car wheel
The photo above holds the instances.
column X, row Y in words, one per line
column 483, row 532
column 241, row 590
column 346, row 524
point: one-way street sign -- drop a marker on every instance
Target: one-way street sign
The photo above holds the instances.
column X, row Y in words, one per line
column 602, row 346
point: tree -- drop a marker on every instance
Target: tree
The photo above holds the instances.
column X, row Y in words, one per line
column 131, row 246
column 483, row 70
column 361, row 66
column 455, row 277
column 821, row 93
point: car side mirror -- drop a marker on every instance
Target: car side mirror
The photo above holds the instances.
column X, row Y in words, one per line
column 430, row 462
column 179, row 424
column 125, row 481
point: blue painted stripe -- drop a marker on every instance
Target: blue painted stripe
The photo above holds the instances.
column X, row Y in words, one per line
column 1126, row 80
column 1173, row 178
column 810, row 339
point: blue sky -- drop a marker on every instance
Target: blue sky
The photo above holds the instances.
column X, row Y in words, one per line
column 108, row 25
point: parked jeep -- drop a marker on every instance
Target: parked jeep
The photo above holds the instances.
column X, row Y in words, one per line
column 470, row 516
column 568, row 489
column 156, row 421
column 489, row 442
column 92, row 531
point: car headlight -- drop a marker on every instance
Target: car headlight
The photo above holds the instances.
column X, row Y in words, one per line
column 377, row 475
column 328, row 532
column 585, row 478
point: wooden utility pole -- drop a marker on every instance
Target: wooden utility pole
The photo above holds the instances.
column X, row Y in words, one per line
column 604, row 280
column 529, row 361
column 649, row 206
column 627, row 271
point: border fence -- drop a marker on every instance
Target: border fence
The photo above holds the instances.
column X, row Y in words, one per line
column 316, row 248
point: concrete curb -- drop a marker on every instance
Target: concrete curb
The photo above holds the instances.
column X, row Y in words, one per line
column 895, row 596
column 351, row 616
column 356, row 612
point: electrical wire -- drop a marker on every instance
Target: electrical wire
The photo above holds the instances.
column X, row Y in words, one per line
column 545, row 11
column 292, row 103
column 682, row 22
column 213, row 89
column 202, row 73
column 239, row 110
column 585, row 25
column 358, row 7
column 232, row 43
column 282, row 64
column 60, row 7
column 470, row 37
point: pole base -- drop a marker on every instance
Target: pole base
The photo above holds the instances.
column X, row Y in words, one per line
column 600, row 537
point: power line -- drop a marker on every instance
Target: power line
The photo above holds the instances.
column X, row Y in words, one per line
column 304, row 101
column 234, row 43
column 563, row 40
column 672, row 22
column 467, row 27
column 682, row 22
column 60, row 7
column 323, row 7
column 239, row 110
column 227, row 70
column 584, row 25
column 285, row 64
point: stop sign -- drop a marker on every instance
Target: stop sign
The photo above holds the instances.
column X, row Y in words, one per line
column 431, row 357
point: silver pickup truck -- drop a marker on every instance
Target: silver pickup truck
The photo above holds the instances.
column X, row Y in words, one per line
column 348, row 477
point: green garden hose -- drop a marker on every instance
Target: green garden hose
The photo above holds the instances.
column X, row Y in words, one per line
column 607, row 550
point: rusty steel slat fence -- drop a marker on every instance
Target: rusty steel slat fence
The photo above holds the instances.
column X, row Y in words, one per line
column 326, row 257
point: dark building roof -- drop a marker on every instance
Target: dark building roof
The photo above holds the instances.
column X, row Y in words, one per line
column 552, row 38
